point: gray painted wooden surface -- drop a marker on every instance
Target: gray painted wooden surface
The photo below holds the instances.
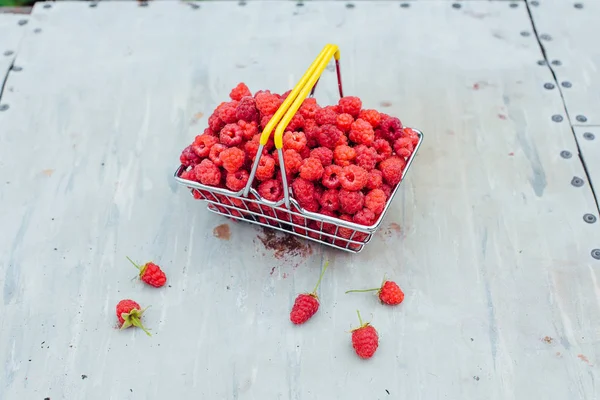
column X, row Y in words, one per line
column 486, row 237
column 12, row 29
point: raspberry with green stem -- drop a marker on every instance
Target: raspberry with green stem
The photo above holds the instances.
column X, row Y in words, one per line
column 307, row 304
column 389, row 292
column 151, row 273
column 365, row 339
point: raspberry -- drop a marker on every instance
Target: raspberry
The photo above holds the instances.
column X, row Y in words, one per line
column 353, row 177
column 351, row 202
column 330, row 200
column 387, row 189
column 249, row 129
column 365, row 339
column 266, row 168
column 294, row 140
column 362, row 132
column 129, row 314
column 311, row 131
column 292, row 161
column 207, row 173
column 350, row 105
column 304, row 191
column 251, row 148
column 306, row 304
column 328, row 136
column 151, row 274
column 312, row 206
column 403, row 147
column 215, row 154
column 319, row 190
column 202, row 145
column 414, row 136
column 371, row 116
column 344, row 121
column 374, row 180
column 326, row 226
column 267, row 103
column 246, row 110
column 285, row 95
column 227, row 112
column 343, row 155
column 392, row 128
column 324, row 154
column 236, row 181
column 240, row 91
column 375, row 201
column 311, row 169
column 342, row 141
column 232, row 158
column 383, row 149
column 364, row 217
column 331, row 175
column 345, row 232
column 390, row 293
column 309, row 108
column 264, row 120
column 366, row 157
column 296, row 123
column 215, row 123
column 304, row 153
column 391, row 169
column 188, row 157
column 188, row 175
column 231, row 135
column 271, row 190
column 326, row 116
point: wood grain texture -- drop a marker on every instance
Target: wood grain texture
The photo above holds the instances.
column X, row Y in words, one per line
column 486, row 236
column 569, row 34
column 11, row 32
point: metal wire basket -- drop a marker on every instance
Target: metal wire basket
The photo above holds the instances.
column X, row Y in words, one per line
column 287, row 215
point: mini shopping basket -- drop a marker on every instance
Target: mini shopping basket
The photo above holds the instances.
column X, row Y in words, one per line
column 287, row 215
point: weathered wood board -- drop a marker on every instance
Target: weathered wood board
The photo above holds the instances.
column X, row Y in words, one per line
column 486, row 237
column 12, row 28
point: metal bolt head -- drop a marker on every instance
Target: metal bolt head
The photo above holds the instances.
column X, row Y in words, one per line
column 535, row 3
column 405, row 5
column 596, row 254
column 548, row 86
column 47, row 5
column 525, row 33
column 299, row 4
column 16, row 68
column 541, row 62
column 557, row 118
column 9, row 53
column 22, row 22
column 37, row 30
column 589, row 218
column 242, row 3
column 350, row 5
column 456, row 5
column 577, row 182
column 578, row 5
column 194, row 6
column 143, row 4
column 565, row 154
column 545, row 36
column 93, row 4
column 566, row 84
column 581, row 118
column 4, row 107
column 556, row 62
column 514, row 5
column 589, row 136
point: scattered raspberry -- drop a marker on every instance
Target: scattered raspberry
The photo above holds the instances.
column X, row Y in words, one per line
column 207, row 173
column 324, row 154
column 303, row 191
column 307, row 304
column 311, row 169
column 366, row 157
column 331, row 176
column 387, row 189
column 240, row 91
column 344, row 122
column 326, row 116
column 202, row 145
column 296, row 123
column 227, row 112
column 383, row 149
column 343, row 155
column 271, row 190
column 365, row 339
column 232, row 158
column 374, row 180
column 215, row 153
column 371, row 116
column 231, row 135
column 215, row 123
column 309, row 108
column 236, row 181
column 129, row 314
column 330, row 200
column 267, row 103
column 294, row 140
column 391, row 169
column 351, row 202
column 390, row 293
column 364, row 217
column 246, row 110
column 375, row 201
column 350, row 105
column 403, row 147
column 361, row 132
column 266, row 168
column 353, row 177
column 328, row 135
column 392, row 128
column 188, row 157
column 151, row 274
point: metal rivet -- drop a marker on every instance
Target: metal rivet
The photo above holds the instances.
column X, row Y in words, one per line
column 299, row 4
column 456, row 5
column 47, row 5
column 589, row 218
column 566, row 84
column 17, row 68
column 578, row 5
column 349, row 5
column 37, row 30
column 565, row 154
column 548, row 85
column 581, row 118
column 535, row 3
column 514, row 5
column 577, row 182
column 541, row 62
column 194, row 6
column 525, row 33
column 556, row 62
column 596, row 254
column 9, row 53
column 545, row 36
column 589, row 136
column 22, row 22
column 143, row 4
column 3, row 107
column 557, row 118
column 242, row 3
column 405, row 5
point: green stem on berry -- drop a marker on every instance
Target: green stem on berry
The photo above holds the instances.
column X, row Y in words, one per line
column 359, row 318
column 138, row 323
column 134, row 264
column 362, row 290
column 321, row 277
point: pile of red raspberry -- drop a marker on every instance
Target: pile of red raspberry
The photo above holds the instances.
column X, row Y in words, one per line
column 342, row 160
